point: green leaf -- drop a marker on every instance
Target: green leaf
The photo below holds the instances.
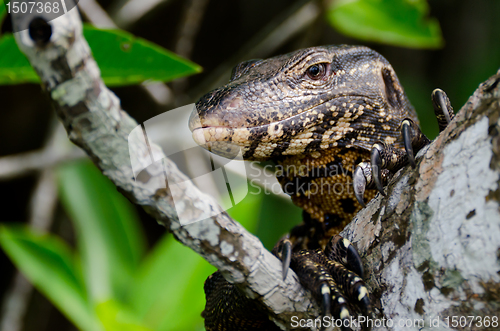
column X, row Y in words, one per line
column 168, row 293
column 396, row 22
column 125, row 59
column 3, row 10
column 266, row 215
column 114, row 316
column 122, row 58
column 14, row 66
column 51, row 267
column 246, row 212
column 109, row 237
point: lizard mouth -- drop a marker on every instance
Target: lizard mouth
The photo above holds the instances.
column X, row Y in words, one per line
column 255, row 142
column 288, row 136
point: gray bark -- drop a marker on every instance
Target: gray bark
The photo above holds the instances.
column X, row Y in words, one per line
column 432, row 246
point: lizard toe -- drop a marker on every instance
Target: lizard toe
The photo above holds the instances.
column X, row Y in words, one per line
column 442, row 108
column 360, row 181
column 377, row 164
column 406, row 132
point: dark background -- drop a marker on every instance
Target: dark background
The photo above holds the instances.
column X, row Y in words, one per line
column 470, row 55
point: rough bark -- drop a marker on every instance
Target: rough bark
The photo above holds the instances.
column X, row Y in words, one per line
column 431, row 246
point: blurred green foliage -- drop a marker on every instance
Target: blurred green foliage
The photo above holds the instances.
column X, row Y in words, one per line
column 266, row 215
column 3, row 9
column 394, row 22
column 107, row 282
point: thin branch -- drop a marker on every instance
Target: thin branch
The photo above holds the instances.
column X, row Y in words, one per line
column 15, row 303
column 94, row 121
column 189, row 28
column 43, row 201
column 53, row 153
column 42, row 205
column 130, row 11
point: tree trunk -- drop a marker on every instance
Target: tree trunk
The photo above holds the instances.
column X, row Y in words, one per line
column 432, row 247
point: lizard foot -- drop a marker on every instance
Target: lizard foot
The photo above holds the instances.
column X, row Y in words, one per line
column 333, row 276
column 384, row 160
column 413, row 138
column 388, row 158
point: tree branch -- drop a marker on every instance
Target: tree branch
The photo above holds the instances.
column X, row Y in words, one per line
column 432, row 245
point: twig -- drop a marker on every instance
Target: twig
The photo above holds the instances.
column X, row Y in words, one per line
column 189, row 28
column 130, row 11
column 42, row 205
column 95, row 122
column 15, row 304
column 55, row 152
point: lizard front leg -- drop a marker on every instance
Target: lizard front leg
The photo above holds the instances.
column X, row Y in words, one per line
column 386, row 160
column 334, row 276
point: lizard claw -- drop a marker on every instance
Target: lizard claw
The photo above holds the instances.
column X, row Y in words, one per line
column 341, row 249
column 377, row 164
column 406, row 131
column 359, row 181
column 442, row 108
column 283, row 251
column 286, row 256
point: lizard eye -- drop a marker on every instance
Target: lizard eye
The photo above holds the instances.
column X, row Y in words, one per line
column 316, row 71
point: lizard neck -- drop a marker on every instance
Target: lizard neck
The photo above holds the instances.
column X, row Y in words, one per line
column 321, row 184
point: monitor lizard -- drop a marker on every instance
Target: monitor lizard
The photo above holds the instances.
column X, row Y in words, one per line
column 337, row 123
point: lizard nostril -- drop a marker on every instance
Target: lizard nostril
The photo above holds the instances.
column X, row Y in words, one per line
column 232, row 103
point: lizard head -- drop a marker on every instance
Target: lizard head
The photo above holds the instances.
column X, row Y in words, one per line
column 303, row 102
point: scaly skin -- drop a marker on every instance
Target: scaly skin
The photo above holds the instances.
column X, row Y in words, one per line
column 316, row 113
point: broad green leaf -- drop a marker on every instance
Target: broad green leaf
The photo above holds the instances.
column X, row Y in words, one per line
column 186, row 314
column 265, row 214
column 246, row 212
column 125, row 59
column 396, row 22
column 109, row 237
column 122, row 58
column 277, row 217
column 114, row 316
column 14, row 66
column 51, row 267
column 168, row 292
